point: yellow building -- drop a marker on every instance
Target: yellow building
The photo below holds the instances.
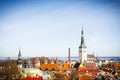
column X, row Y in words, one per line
column 31, row 72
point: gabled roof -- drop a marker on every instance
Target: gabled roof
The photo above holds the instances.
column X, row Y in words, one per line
column 37, row 60
column 49, row 67
column 90, row 56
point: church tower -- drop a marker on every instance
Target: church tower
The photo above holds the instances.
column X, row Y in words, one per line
column 19, row 54
column 82, row 49
column 19, row 60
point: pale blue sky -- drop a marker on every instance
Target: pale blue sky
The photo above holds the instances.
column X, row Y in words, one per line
column 49, row 28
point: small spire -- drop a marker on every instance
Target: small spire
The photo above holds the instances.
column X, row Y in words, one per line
column 19, row 54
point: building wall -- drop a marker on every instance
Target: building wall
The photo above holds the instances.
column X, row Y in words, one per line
column 82, row 55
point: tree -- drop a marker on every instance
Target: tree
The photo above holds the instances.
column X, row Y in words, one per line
column 74, row 75
column 59, row 76
column 11, row 69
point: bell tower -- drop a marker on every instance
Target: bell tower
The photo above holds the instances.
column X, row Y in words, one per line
column 19, row 60
column 82, row 49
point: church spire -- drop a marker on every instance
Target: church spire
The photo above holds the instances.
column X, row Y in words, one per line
column 19, row 60
column 82, row 49
column 82, row 45
column 19, row 54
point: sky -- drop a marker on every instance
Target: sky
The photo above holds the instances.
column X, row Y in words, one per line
column 49, row 27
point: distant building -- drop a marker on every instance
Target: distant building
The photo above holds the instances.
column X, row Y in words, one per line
column 91, row 57
column 29, row 63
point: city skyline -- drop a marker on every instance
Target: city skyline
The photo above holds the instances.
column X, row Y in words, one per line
column 49, row 28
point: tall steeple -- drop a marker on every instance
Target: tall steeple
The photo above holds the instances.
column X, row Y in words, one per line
column 19, row 60
column 82, row 49
column 19, row 54
column 82, row 45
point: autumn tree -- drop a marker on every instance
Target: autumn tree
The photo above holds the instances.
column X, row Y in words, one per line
column 74, row 75
column 11, row 69
column 59, row 76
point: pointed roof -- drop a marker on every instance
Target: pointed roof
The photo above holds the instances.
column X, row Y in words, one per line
column 37, row 60
column 19, row 60
column 82, row 45
column 19, row 54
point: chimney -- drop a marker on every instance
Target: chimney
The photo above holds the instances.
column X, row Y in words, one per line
column 69, row 55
